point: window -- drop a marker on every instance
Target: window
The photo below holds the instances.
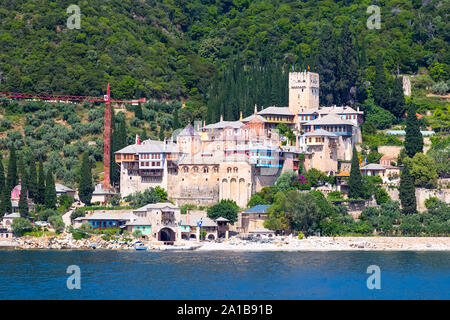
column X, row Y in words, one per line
column 205, row 170
column 235, row 170
column 228, row 170
column 195, row 169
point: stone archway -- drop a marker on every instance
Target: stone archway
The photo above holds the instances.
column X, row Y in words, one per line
column 193, row 236
column 166, row 235
column 211, row 237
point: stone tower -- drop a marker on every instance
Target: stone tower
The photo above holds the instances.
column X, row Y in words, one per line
column 303, row 91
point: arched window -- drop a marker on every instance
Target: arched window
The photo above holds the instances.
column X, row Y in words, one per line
column 228, row 170
column 195, row 169
column 235, row 170
column 205, row 170
column 185, row 169
column 216, row 169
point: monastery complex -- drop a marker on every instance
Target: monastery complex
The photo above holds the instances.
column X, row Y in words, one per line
column 203, row 164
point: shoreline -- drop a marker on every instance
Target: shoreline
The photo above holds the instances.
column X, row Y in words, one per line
column 285, row 244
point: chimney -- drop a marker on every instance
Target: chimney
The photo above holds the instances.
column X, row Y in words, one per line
column 256, row 109
column 240, row 116
column 221, row 118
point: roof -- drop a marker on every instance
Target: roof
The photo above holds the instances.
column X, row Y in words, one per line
column 12, row 215
column 260, row 208
column 332, row 109
column 158, row 205
column 99, row 190
column 225, row 124
column 403, row 132
column 189, row 131
column 222, row 219
column 139, row 221
column 62, row 188
column 331, row 118
column 261, row 230
column 150, row 146
column 373, row 166
column 343, row 174
column 320, row 132
column 101, row 215
column 194, row 217
column 284, row 111
column 253, row 116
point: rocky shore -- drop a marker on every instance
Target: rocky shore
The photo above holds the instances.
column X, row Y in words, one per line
column 65, row 241
column 335, row 244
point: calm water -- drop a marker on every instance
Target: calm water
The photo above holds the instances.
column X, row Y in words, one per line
column 223, row 275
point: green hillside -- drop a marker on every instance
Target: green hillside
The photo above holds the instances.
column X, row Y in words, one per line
column 172, row 49
column 213, row 57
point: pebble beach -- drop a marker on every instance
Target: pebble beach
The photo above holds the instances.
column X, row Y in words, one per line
column 66, row 242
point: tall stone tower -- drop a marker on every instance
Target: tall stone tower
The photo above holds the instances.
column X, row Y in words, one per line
column 303, row 91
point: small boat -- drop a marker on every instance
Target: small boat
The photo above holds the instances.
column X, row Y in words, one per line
column 140, row 248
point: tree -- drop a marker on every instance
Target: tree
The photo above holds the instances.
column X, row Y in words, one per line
column 407, row 192
column 21, row 225
column 47, row 213
column 347, row 66
column 23, row 201
column 12, row 179
column 5, row 204
column 227, row 209
column 286, row 181
column 380, row 88
column 57, row 223
column 50, row 191
column 327, row 61
column 397, row 105
column 150, row 195
column 2, row 175
column 78, row 212
column 40, row 195
column 85, row 185
column 32, row 180
column 413, row 139
column 355, row 184
column 424, row 171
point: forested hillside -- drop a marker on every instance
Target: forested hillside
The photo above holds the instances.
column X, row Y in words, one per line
column 173, row 49
column 199, row 59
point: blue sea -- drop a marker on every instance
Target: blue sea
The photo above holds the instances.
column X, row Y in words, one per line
column 223, row 275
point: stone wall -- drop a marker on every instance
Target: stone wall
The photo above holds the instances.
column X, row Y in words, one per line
column 422, row 195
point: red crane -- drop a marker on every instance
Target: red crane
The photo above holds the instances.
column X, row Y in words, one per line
column 66, row 98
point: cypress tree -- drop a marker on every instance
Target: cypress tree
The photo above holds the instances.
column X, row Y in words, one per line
column 355, row 184
column 40, row 196
column 348, row 66
column 50, row 191
column 2, row 175
column 407, row 192
column 176, row 121
column 138, row 112
column 32, row 180
column 12, row 179
column 5, row 205
column 23, row 201
column 413, row 139
column 380, row 88
column 397, row 105
column 327, row 61
column 85, row 187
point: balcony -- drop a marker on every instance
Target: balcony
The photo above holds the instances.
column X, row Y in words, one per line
column 149, row 173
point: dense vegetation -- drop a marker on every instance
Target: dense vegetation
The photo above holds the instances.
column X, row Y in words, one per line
column 171, row 49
